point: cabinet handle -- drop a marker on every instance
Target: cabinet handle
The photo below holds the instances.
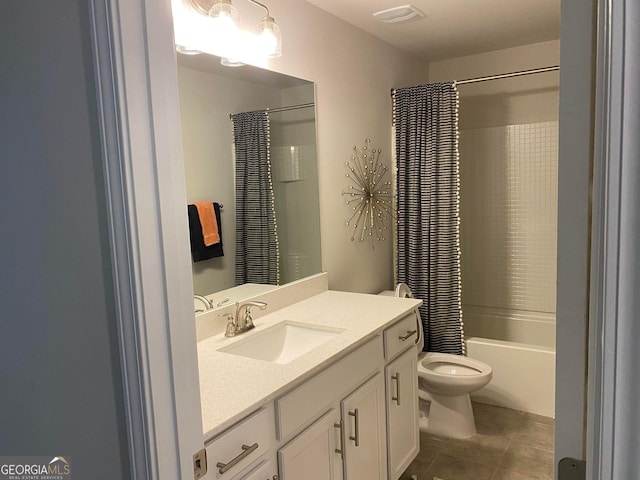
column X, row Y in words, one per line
column 246, row 451
column 396, row 377
column 341, row 427
column 357, row 427
column 409, row 334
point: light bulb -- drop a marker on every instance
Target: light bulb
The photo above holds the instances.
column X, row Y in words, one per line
column 269, row 37
column 225, row 16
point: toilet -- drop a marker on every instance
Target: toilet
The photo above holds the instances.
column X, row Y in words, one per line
column 445, row 381
column 444, row 384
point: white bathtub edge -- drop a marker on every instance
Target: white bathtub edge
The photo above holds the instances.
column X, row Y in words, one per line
column 523, row 375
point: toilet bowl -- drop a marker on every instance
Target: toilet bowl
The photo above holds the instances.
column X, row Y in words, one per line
column 446, row 381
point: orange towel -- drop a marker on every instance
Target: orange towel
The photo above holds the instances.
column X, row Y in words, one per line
column 208, row 222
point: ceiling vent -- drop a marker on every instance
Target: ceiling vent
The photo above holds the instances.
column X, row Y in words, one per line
column 398, row 14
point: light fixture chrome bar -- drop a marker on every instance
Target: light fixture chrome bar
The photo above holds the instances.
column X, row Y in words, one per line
column 263, row 6
column 509, row 75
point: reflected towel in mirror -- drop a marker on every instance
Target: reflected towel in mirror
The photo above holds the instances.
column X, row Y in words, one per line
column 208, row 222
column 200, row 251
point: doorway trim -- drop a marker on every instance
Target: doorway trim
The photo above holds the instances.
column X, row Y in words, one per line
column 139, row 119
column 613, row 387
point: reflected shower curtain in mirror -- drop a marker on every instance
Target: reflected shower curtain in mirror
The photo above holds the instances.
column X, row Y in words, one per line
column 257, row 255
column 427, row 196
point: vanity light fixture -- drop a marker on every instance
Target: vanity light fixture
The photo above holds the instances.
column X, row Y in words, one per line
column 403, row 13
column 226, row 39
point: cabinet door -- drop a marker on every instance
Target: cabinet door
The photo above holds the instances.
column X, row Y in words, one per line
column 402, row 412
column 315, row 453
column 363, row 414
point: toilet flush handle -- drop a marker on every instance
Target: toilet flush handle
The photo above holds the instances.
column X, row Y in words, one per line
column 410, row 333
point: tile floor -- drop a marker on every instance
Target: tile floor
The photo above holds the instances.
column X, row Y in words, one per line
column 509, row 445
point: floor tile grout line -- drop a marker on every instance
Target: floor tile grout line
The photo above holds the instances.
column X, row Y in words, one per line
column 501, row 458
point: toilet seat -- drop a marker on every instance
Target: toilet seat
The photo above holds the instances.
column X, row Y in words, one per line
column 447, row 374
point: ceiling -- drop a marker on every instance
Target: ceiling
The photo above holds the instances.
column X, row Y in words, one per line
column 454, row 28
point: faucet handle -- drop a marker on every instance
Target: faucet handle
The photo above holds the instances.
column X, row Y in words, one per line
column 231, row 329
column 248, row 317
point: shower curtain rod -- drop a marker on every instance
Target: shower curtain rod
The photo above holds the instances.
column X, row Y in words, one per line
column 284, row 109
column 292, row 107
column 509, row 75
column 499, row 76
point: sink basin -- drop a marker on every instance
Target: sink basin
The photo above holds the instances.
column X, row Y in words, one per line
column 283, row 342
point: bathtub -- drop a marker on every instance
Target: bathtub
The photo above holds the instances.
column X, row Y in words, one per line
column 520, row 348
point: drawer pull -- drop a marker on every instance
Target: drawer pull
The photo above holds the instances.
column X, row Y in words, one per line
column 341, row 427
column 396, row 377
column 246, row 451
column 409, row 334
column 357, row 427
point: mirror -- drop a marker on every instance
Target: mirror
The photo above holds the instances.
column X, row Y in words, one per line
column 209, row 93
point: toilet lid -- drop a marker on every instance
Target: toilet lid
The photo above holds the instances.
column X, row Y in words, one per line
column 403, row 291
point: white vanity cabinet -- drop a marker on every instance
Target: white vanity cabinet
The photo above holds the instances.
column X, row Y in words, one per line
column 351, row 415
column 348, row 442
column 314, row 454
column 402, row 412
column 364, row 437
column 266, row 470
column 348, row 439
column 401, row 380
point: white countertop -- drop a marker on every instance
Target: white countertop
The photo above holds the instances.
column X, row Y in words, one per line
column 232, row 386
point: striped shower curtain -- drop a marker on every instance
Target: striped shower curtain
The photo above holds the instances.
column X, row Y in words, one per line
column 257, row 254
column 427, row 196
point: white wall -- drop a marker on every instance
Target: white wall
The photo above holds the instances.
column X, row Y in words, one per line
column 526, row 99
column 60, row 377
column 354, row 73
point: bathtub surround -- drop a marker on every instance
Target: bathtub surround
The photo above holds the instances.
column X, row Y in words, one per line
column 509, row 199
column 427, row 196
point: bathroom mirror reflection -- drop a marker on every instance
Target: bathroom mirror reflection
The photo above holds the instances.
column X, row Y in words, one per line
column 209, row 93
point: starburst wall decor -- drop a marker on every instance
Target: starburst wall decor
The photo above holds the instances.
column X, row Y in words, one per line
column 369, row 194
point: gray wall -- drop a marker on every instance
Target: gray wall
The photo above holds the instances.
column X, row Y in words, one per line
column 60, row 384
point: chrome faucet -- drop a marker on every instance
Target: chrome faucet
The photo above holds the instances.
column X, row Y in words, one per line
column 207, row 303
column 243, row 321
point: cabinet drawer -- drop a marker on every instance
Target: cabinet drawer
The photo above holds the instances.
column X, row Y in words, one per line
column 241, row 445
column 265, row 470
column 401, row 335
column 303, row 404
